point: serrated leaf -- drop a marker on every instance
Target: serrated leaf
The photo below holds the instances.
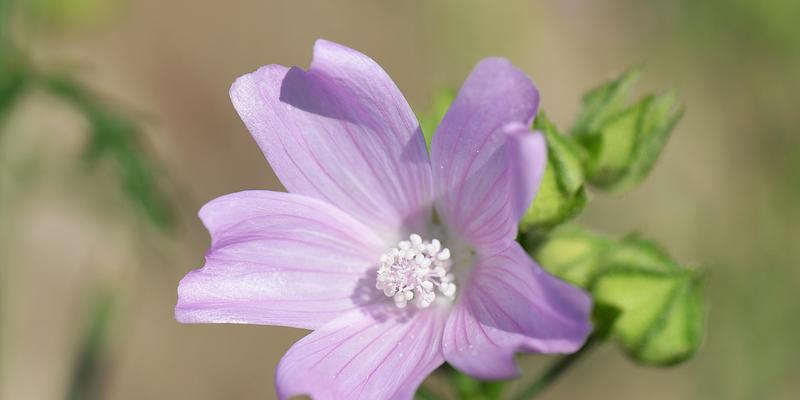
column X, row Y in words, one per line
column 561, row 195
column 439, row 106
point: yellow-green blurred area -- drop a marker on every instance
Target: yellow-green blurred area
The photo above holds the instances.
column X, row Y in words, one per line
column 84, row 271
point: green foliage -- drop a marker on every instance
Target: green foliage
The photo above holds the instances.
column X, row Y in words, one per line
column 652, row 306
column 5, row 19
column 429, row 121
column 71, row 13
column 561, row 193
column 89, row 364
column 12, row 83
column 622, row 142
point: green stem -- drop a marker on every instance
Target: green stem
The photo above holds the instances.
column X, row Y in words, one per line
column 555, row 371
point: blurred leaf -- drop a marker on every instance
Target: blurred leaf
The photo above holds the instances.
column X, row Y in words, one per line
column 12, row 83
column 643, row 299
column 88, row 373
column 118, row 138
column 72, row 13
column 430, row 120
column 5, row 19
column 561, row 194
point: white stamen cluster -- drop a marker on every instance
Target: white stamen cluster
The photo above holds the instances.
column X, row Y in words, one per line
column 413, row 270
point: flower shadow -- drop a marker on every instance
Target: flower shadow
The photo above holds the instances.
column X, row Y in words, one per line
column 313, row 92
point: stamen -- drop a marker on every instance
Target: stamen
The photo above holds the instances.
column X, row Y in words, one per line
column 414, row 270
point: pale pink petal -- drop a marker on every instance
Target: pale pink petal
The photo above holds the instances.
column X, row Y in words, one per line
column 474, row 158
column 364, row 356
column 509, row 305
column 341, row 132
column 278, row 259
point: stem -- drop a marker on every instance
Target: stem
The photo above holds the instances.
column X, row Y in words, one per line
column 555, row 371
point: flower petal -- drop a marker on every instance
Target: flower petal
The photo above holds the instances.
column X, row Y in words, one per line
column 509, row 305
column 527, row 159
column 476, row 182
column 341, row 132
column 364, row 356
column 278, row 259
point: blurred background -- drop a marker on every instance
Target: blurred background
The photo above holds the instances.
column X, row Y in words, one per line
column 128, row 130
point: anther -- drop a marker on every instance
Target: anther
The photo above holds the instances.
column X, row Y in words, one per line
column 414, row 270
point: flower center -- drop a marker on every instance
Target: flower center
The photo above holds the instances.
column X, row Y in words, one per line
column 415, row 270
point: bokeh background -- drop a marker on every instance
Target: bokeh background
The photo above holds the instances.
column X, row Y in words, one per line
column 90, row 257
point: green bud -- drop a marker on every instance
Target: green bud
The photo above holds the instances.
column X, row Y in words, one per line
column 644, row 300
column 623, row 143
column 603, row 102
column 573, row 254
column 561, row 194
column 660, row 319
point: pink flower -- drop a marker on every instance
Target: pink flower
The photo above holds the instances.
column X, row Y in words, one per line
column 396, row 260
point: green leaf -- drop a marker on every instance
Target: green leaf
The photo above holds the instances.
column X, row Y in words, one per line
column 439, row 106
column 643, row 299
column 561, row 193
